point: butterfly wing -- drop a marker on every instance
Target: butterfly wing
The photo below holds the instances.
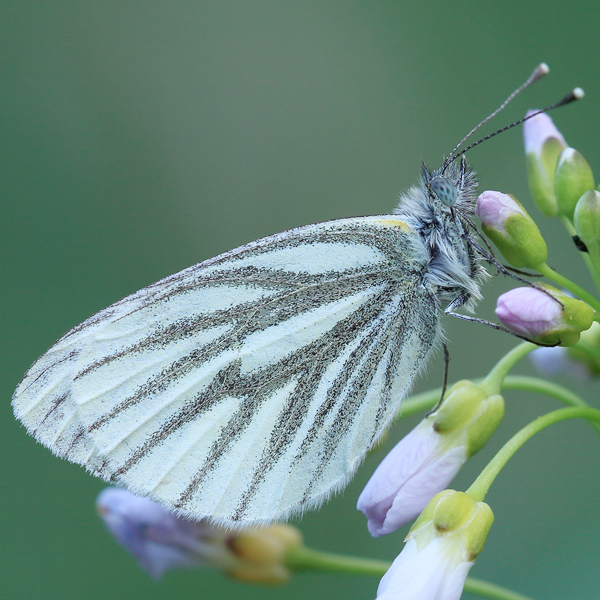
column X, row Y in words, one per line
column 250, row 386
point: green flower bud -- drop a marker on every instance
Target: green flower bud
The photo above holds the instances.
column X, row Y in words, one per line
column 587, row 220
column 572, row 179
column 487, row 421
column 426, row 516
column 470, row 414
column 456, row 516
column 440, row 549
column 543, row 144
column 476, row 533
column 453, row 511
column 460, row 406
column 507, row 224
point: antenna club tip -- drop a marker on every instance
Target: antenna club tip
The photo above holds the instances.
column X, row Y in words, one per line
column 539, row 72
column 578, row 93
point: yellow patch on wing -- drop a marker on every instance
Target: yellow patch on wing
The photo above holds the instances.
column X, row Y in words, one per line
column 394, row 223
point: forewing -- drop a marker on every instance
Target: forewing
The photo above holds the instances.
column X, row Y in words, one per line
column 247, row 387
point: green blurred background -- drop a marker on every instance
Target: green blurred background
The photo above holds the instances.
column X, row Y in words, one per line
column 139, row 137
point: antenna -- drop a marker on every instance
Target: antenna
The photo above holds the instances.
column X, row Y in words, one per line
column 576, row 94
column 539, row 72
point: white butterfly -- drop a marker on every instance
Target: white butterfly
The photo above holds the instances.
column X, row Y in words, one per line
column 250, row 387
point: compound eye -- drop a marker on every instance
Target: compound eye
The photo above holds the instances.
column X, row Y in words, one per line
column 445, row 190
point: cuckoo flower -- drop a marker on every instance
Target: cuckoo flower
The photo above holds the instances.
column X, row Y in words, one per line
column 427, row 459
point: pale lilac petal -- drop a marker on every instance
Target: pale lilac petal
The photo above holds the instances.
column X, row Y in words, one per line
column 494, row 208
column 555, row 361
column 418, row 467
column 406, row 556
column 401, row 462
column 537, row 130
column 159, row 540
column 528, row 311
column 413, row 496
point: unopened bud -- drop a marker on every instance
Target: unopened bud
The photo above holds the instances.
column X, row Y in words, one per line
column 537, row 315
column 509, row 226
column 440, row 549
column 543, row 144
column 572, row 179
column 587, row 220
column 262, row 553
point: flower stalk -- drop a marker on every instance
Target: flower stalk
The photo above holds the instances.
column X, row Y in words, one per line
column 494, row 380
column 481, row 485
column 307, row 559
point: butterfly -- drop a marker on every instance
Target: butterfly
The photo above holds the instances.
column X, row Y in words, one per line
column 249, row 387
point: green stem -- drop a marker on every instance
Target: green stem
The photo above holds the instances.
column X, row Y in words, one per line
column 526, row 383
column 567, row 283
column 591, row 265
column 493, row 381
column 482, row 484
column 307, row 559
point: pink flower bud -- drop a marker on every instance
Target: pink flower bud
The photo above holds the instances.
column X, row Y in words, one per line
column 529, row 312
column 507, row 224
column 538, row 130
column 543, row 144
column 494, row 208
column 549, row 318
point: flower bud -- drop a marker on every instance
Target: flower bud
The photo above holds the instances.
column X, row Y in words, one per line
column 263, row 552
column 543, row 144
column 440, row 550
column 427, row 459
column 587, row 221
column 572, row 179
column 507, row 224
column 534, row 314
column 161, row 541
